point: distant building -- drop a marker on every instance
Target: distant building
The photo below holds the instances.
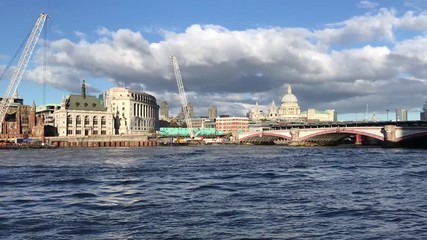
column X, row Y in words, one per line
column 256, row 114
column 289, row 110
column 313, row 115
column 21, row 121
column 232, row 124
column 198, row 122
column 47, row 112
column 82, row 115
column 401, row 115
column 273, row 115
column 164, row 110
column 212, row 113
column 189, row 108
column 423, row 114
column 202, row 122
column 209, row 124
column 134, row 112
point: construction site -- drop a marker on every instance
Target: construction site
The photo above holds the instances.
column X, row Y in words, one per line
column 22, row 125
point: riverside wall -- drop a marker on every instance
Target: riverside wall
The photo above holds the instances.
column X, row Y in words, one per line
column 103, row 141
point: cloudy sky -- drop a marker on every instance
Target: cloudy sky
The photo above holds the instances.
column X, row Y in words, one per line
column 350, row 56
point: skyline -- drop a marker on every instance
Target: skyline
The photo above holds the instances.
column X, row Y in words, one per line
column 342, row 55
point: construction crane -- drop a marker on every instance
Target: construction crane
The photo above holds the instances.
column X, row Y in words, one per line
column 20, row 68
column 183, row 96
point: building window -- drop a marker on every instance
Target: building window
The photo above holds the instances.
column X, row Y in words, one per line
column 78, row 120
column 69, row 132
column 25, row 120
column 69, row 120
column 103, row 132
column 95, row 121
column 86, row 120
column 103, row 122
column 95, row 132
column 78, row 132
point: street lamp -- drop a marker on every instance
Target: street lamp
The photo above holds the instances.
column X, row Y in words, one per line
column 387, row 110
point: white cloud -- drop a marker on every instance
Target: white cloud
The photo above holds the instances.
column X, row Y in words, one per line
column 232, row 69
column 360, row 29
column 367, row 4
column 80, row 34
column 411, row 22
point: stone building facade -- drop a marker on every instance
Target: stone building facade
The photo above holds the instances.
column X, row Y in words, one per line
column 134, row 112
column 82, row 115
column 289, row 107
column 289, row 110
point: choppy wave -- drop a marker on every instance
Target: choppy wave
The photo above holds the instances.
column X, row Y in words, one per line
column 213, row 192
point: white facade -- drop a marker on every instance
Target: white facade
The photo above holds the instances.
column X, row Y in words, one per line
column 273, row 112
column 135, row 112
column 313, row 115
column 289, row 110
column 256, row 114
column 47, row 111
column 72, row 121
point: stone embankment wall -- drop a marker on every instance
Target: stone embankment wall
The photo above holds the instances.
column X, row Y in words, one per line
column 103, row 141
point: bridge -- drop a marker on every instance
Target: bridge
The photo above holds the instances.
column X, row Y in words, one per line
column 388, row 134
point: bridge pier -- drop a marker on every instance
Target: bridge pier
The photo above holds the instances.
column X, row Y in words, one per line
column 294, row 134
column 295, row 141
column 358, row 139
column 389, row 132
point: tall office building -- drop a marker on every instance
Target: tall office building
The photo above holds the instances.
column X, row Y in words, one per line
column 181, row 115
column 164, row 110
column 423, row 114
column 190, row 109
column 212, row 113
column 401, row 115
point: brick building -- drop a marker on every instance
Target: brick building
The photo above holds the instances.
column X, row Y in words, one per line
column 21, row 121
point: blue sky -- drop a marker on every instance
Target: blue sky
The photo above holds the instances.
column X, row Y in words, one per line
column 342, row 55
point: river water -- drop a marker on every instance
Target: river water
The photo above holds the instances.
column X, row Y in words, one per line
column 214, row 192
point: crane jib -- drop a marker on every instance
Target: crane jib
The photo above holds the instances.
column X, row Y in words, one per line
column 22, row 64
column 182, row 95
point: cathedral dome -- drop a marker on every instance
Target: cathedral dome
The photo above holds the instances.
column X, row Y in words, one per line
column 289, row 97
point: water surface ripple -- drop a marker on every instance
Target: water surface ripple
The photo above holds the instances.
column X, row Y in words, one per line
column 214, row 192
